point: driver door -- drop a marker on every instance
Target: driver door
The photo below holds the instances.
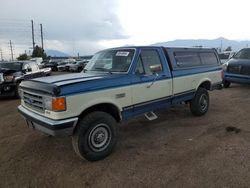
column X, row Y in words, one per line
column 152, row 87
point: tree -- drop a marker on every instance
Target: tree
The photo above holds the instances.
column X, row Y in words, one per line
column 39, row 52
column 229, row 48
column 23, row 57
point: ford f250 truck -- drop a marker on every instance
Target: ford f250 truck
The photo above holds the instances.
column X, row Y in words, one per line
column 118, row 84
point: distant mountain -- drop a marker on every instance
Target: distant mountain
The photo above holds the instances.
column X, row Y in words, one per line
column 215, row 43
column 56, row 53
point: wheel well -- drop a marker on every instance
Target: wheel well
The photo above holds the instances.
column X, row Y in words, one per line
column 104, row 107
column 206, row 85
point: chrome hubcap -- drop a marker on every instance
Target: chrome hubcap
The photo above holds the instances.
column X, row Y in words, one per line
column 99, row 137
column 203, row 102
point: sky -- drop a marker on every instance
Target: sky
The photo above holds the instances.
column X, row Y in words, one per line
column 87, row 26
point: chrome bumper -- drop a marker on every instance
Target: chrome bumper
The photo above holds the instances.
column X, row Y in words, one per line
column 52, row 127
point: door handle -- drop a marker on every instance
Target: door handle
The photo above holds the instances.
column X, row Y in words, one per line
column 152, row 83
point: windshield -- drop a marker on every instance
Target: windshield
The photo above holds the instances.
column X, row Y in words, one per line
column 11, row 66
column 115, row 60
column 243, row 54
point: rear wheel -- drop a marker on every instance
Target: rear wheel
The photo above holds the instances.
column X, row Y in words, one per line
column 95, row 136
column 226, row 84
column 200, row 103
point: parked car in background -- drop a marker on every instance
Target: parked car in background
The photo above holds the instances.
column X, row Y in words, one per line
column 13, row 73
column 51, row 64
column 225, row 56
column 61, row 66
column 47, row 71
column 69, row 62
column 78, row 66
column 237, row 69
column 38, row 61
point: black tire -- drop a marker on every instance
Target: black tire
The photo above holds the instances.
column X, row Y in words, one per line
column 54, row 69
column 17, row 94
column 95, row 136
column 226, row 84
column 200, row 103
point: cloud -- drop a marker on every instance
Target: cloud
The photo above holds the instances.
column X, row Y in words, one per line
column 72, row 24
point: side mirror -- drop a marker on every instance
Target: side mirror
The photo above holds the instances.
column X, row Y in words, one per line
column 155, row 69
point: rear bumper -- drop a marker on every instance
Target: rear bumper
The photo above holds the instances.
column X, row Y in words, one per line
column 237, row 78
column 52, row 127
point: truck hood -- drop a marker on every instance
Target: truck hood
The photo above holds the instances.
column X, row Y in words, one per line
column 69, row 84
column 66, row 79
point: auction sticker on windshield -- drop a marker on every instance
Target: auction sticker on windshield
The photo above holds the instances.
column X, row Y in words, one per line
column 122, row 53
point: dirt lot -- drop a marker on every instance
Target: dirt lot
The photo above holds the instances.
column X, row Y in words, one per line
column 176, row 150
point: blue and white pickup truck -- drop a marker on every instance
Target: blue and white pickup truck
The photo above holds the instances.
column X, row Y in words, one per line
column 118, row 84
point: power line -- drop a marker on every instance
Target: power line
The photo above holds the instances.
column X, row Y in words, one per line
column 26, row 36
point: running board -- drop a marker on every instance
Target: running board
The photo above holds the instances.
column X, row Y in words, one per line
column 150, row 116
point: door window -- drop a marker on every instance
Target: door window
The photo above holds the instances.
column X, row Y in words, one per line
column 149, row 62
column 26, row 67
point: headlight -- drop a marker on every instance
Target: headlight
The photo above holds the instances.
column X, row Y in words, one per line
column 8, row 78
column 224, row 66
column 48, row 103
column 55, row 104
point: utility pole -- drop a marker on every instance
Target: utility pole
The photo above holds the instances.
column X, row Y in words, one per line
column 11, row 51
column 33, row 37
column 221, row 45
column 41, row 26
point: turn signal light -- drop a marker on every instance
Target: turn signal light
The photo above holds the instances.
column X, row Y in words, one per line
column 58, row 104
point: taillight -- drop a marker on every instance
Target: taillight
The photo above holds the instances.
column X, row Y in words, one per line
column 222, row 74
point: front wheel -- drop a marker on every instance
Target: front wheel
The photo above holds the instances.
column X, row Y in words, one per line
column 200, row 103
column 95, row 136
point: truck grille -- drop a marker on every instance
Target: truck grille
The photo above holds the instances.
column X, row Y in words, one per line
column 33, row 101
column 239, row 69
column 245, row 70
column 234, row 69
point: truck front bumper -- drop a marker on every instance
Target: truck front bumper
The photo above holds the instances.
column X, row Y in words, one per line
column 52, row 127
column 7, row 89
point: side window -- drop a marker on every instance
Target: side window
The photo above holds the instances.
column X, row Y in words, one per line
column 140, row 68
column 34, row 67
column 187, row 59
column 208, row 58
column 149, row 62
column 26, row 67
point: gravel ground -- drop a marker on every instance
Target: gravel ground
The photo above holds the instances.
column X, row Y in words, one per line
column 176, row 150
